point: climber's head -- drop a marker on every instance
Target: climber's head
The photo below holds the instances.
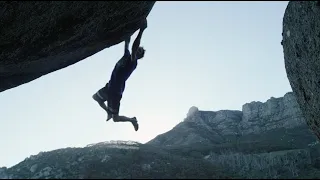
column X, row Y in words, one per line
column 140, row 53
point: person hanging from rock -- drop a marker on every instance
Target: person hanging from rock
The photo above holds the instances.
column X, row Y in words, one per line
column 112, row 92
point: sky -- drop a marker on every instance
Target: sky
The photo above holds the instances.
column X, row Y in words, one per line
column 212, row 55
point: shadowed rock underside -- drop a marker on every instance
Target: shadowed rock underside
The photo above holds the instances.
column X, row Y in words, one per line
column 39, row 37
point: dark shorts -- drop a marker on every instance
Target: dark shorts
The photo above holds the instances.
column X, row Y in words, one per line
column 121, row 73
column 113, row 100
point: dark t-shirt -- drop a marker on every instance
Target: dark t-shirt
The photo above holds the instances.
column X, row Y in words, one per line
column 121, row 72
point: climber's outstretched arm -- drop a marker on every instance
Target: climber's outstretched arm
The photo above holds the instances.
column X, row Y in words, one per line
column 136, row 42
column 126, row 44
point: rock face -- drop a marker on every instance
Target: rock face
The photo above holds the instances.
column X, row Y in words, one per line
column 274, row 114
column 257, row 119
column 301, row 47
column 264, row 140
column 3, row 173
column 37, row 38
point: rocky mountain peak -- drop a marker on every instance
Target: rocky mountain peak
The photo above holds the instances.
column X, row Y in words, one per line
column 217, row 126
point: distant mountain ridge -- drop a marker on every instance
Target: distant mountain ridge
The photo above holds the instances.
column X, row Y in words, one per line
column 264, row 140
column 219, row 127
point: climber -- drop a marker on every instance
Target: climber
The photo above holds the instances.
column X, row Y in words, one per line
column 113, row 90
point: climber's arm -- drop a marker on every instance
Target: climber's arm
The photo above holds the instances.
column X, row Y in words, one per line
column 126, row 45
column 136, row 42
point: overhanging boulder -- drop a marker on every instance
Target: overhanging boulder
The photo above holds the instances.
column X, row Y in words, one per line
column 39, row 37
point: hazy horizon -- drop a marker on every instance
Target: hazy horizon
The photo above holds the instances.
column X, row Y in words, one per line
column 212, row 55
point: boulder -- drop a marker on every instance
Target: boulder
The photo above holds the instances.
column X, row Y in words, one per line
column 301, row 47
column 40, row 37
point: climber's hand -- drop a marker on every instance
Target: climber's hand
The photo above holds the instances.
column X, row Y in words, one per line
column 144, row 24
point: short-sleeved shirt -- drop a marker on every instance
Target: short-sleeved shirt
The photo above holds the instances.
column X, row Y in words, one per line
column 121, row 72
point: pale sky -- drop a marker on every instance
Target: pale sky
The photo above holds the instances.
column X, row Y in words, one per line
column 213, row 55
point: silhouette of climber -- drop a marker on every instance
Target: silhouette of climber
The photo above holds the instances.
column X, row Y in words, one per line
column 113, row 90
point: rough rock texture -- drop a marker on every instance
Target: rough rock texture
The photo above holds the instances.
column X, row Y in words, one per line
column 276, row 116
column 274, row 165
column 3, row 173
column 111, row 160
column 39, row 37
column 275, row 113
column 301, row 47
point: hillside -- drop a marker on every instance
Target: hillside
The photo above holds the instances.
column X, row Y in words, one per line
column 264, row 140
